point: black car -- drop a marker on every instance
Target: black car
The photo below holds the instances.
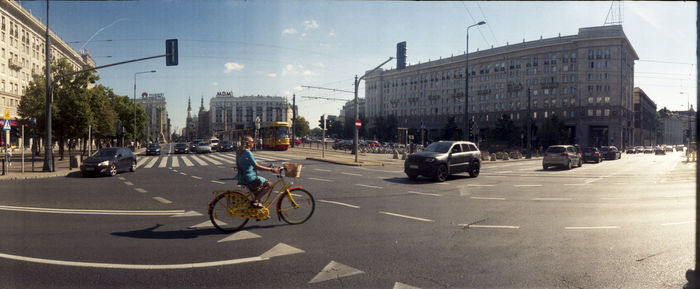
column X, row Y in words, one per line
column 443, row 158
column 153, row 149
column 610, row 152
column 592, row 154
column 109, row 161
column 181, row 148
column 225, row 146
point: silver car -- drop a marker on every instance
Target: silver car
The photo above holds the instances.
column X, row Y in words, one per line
column 203, row 148
column 561, row 155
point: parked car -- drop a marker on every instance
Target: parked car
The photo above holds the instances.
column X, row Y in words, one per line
column 444, row 158
column 153, row 149
column 225, row 146
column 610, row 152
column 648, row 150
column 669, row 148
column 203, row 148
column 592, row 154
column 181, row 148
column 343, row 145
column 109, row 161
column 631, row 150
column 659, row 151
column 561, row 155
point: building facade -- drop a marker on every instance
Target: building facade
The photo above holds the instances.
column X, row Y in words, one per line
column 672, row 127
column 23, row 55
column 585, row 79
column 228, row 112
column 203, row 125
column 644, row 119
column 190, row 130
column 155, row 105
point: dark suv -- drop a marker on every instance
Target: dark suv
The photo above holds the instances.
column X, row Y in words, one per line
column 444, row 158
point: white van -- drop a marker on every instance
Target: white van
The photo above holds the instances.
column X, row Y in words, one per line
column 214, row 143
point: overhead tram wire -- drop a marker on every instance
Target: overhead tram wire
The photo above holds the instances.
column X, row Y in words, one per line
column 474, row 20
column 487, row 22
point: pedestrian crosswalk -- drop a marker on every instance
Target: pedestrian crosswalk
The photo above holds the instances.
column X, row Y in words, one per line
column 191, row 160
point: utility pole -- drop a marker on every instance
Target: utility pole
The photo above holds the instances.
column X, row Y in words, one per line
column 48, row 147
column 294, row 118
column 529, row 126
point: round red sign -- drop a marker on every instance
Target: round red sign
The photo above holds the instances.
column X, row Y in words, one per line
column 358, row 124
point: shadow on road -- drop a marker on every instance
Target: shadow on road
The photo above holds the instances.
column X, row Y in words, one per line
column 151, row 233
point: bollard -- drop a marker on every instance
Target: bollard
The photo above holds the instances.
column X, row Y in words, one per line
column 396, row 154
column 693, row 156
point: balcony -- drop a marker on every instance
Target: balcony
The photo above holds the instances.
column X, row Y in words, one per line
column 483, row 91
column 514, row 87
column 550, row 85
column 14, row 64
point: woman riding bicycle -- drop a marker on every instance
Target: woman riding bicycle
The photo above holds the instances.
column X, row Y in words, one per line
column 247, row 174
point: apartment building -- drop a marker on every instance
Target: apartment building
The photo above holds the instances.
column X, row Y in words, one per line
column 228, row 112
column 23, row 53
column 644, row 119
column 585, row 79
column 157, row 121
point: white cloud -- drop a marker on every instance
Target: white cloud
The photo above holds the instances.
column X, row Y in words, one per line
column 215, row 83
column 272, row 75
column 289, row 31
column 310, row 24
column 231, row 66
column 308, row 73
column 331, row 34
column 291, row 69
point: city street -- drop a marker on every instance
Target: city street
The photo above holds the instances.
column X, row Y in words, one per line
column 625, row 223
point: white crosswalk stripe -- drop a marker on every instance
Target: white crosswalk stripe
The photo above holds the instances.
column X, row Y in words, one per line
column 198, row 160
column 164, row 162
column 190, row 160
column 187, row 161
column 218, row 157
column 151, row 163
column 176, row 163
column 213, row 161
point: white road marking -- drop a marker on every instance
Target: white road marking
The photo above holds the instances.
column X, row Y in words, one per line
column 199, row 161
column 339, row 203
column 151, row 163
column 187, row 161
column 162, row 200
column 196, row 177
column 470, row 185
column 280, row 249
column 122, row 178
column 399, row 285
column 551, row 199
column 218, row 182
column 588, row 181
column 592, row 228
column 211, row 160
column 241, row 235
column 405, row 216
column 176, row 162
column 527, row 186
column 92, row 212
column 184, row 174
column 164, row 162
column 425, row 194
column 351, row 174
column 444, row 184
column 140, row 190
column 129, row 183
column 323, row 180
column 322, row 170
column 576, row 184
column 678, row 223
column 504, row 172
column 488, row 198
column 620, row 198
column 334, row 270
column 216, row 156
column 368, row 186
column 489, row 226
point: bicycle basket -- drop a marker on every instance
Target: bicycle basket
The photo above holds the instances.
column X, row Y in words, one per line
column 292, row 170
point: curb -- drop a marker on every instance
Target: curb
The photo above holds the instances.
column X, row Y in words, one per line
column 347, row 163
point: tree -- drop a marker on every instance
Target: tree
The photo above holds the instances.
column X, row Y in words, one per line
column 316, row 132
column 301, row 126
column 552, row 132
column 451, row 131
column 506, row 132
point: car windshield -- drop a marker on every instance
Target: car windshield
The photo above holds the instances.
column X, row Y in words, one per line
column 180, row 145
column 108, row 152
column 203, row 144
column 588, row 149
column 438, row 147
column 153, row 146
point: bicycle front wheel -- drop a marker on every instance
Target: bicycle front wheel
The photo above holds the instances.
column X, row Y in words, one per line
column 297, row 208
column 227, row 211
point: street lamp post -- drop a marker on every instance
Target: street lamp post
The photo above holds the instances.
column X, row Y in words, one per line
column 466, row 84
column 357, row 105
column 150, row 71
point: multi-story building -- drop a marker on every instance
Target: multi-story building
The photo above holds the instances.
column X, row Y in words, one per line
column 228, row 112
column 688, row 121
column 23, row 55
column 157, row 128
column 585, row 79
column 190, row 130
column 203, row 125
column 644, row 119
column 672, row 127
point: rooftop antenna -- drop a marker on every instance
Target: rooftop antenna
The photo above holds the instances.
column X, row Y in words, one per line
column 614, row 16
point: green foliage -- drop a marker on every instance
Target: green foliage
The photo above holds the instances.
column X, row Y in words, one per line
column 301, row 126
column 552, row 132
column 451, row 130
column 506, row 132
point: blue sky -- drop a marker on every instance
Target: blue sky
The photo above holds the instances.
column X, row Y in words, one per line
column 275, row 47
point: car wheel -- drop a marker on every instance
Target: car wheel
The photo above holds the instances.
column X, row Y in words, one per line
column 568, row 165
column 133, row 166
column 113, row 170
column 544, row 167
column 441, row 174
column 474, row 171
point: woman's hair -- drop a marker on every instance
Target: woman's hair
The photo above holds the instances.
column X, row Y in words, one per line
column 244, row 140
column 247, row 138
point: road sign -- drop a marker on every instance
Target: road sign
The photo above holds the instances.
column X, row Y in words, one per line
column 358, row 124
column 7, row 114
column 6, row 124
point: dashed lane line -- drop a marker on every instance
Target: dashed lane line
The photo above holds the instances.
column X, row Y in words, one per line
column 129, row 183
column 317, row 179
column 369, row 186
column 489, row 198
column 488, row 226
column 551, row 199
column 524, row 186
column 351, row 174
column 472, row 185
column 140, row 190
column 184, row 174
column 405, row 216
column 322, row 170
column 339, row 203
column 678, row 223
column 424, row 194
column 196, row 177
column 218, row 182
column 592, row 228
column 162, row 200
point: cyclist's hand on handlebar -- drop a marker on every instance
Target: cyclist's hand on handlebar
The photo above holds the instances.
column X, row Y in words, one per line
column 276, row 170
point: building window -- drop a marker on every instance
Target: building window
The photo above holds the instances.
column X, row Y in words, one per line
column 607, row 99
column 590, row 112
column 607, row 112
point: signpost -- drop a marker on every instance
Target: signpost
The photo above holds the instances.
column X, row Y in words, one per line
column 6, row 143
column 358, row 124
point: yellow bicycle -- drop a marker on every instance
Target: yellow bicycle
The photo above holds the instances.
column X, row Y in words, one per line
column 230, row 210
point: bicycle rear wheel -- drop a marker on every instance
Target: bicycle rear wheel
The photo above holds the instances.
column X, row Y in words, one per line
column 228, row 211
column 298, row 209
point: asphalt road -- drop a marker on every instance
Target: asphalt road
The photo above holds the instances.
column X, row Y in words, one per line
column 626, row 223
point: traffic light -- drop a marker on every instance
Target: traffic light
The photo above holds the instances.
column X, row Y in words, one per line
column 171, row 58
column 321, row 122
